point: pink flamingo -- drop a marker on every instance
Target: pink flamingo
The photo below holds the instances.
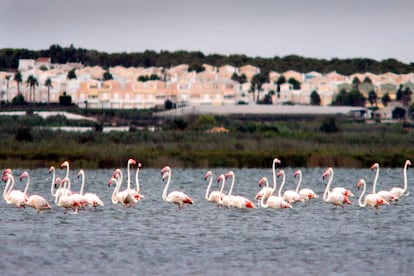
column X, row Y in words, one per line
column 290, row 196
column 92, row 199
column 37, row 202
column 235, row 201
column 398, row 192
column 305, row 193
column 137, row 195
column 63, row 199
column 214, row 196
column 267, row 190
column 387, row 195
column 175, row 197
column 372, row 200
column 10, row 195
column 337, row 197
column 345, row 192
column 272, row 201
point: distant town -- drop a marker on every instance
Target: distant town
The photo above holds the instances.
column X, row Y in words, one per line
column 41, row 81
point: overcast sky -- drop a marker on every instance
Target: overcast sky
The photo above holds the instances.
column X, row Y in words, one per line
column 377, row 29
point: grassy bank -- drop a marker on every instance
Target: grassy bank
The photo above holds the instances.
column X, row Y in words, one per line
column 184, row 143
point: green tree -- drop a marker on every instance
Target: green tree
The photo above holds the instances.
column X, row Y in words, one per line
column 385, row 99
column 329, row 125
column 7, row 87
column 372, row 98
column 71, row 74
column 256, row 84
column 48, row 84
column 295, row 83
column 281, row 80
column 355, row 83
column 352, row 98
column 107, row 76
column 32, row 82
column 314, row 98
column 18, row 79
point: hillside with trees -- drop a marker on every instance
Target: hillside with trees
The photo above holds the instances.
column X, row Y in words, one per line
column 9, row 59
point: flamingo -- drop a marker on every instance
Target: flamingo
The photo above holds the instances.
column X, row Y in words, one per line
column 398, row 191
column 290, row 196
column 267, row 190
column 10, row 195
column 272, row 201
column 115, row 198
column 92, row 199
column 37, row 202
column 55, row 189
column 63, row 199
column 344, row 191
column 372, row 200
column 214, row 196
column 387, row 195
column 137, row 195
column 175, row 197
column 126, row 197
column 334, row 197
column 236, row 201
column 305, row 193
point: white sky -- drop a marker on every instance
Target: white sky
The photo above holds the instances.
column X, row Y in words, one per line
column 377, row 29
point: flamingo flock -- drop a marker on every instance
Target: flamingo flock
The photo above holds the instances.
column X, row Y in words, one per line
column 267, row 197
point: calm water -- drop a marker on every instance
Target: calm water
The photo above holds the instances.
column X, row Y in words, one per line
column 155, row 238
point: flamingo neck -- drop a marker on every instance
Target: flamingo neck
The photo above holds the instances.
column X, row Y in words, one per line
column 374, row 185
column 208, row 187
column 128, row 178
column 27, row 185
column 6, row 189
column 405, row 178
column 299, row 182
column 281, row 185
column 52, row 188
column 83, row 183
column 262, row 200
column 222, row 186
column 274, row 174
column 137, row 180
column 361, row 196
column 232, row 184
column 328, row 185
column 164, row 192
column 116, row 190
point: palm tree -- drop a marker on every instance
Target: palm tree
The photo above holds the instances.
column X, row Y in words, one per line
column 18, row 79
column 7, row 87
column 48, row 84
column 32, row 82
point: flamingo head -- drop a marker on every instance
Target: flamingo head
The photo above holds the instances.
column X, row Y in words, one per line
column 297, row 173
column 23, row 175
column 111, row 180
column 326, row 173
column 139, row 165
column 360, row 183
column 165, row 169
column 131, row 161
column 208, row 174
column 6, row 173
column 64, row 164
column 262, row 180
column 221, row 177
column 165, row 175
column 57, row 182
column 116, row 172
column 408, row 163
column 81, row 172
column 374, row 166
column 279, row 173
column 228, row 174
column 277, row 161
column 51, row 169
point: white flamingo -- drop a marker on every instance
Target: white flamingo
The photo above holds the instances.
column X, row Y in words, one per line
column 387, row 195
column 63, row 199
column 305, row 193
column 126, row 196
column 267, row 190
column 398, row 192
column 272, row 201
column 93, row 199
column 237, row 201
column 214, row 196
column 10, row 195
column 337, row 197
column 175, row 197
column 290, row 196
column 37, row 202
column 372, row 200
column 137, row 195
column 344, row 191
